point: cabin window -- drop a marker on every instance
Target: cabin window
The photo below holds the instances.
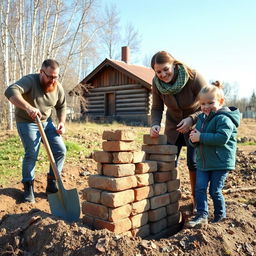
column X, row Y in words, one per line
column 110, row 104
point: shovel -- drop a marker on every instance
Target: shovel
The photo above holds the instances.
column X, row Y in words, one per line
column 64, row 203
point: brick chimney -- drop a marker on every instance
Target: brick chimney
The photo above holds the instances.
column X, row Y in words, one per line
column 125, row 54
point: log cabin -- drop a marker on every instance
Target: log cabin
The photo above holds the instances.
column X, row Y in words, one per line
column 116, row 91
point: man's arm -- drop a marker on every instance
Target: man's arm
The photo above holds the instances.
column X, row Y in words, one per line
column 19, row 102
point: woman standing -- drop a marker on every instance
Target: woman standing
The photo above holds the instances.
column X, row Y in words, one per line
column 176, row 86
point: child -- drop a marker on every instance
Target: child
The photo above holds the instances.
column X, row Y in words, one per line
column 215, row 140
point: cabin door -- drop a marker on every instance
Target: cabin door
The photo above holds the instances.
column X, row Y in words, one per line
column 110, row 104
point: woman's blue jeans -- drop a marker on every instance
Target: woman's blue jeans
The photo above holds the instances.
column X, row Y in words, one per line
column 216, row 180
column 31, row 140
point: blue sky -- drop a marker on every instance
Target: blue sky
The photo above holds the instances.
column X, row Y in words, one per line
column 216, row 37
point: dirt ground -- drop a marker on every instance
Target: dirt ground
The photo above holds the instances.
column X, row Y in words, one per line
column 30, row 229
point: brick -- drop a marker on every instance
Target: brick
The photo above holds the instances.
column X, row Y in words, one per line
column 160, row 149
column 139, row 156
column 118, row 146
column 144, row 179
column 173, row 185
column 157, row 214
column 112, row 184
column 143, row 192
column 160, row 188
column 116, row 199
column 119, row 213
column 139, row 220
column 118, row 170
column 102, row 156
column 159, row 201
column 148, row 166
column 165, row 166
column 174, row 174
column 122, row 157
column 156, row 227
column 88, row 219
column 172, row 208
column 95, row 210
column 175, row 196
column 140, row 206
column 124, row 135
column 117, row 227
column 174, row 219
column 164, row 158
column 142, row 232
column 161, row 139
column 99, row 168
column 92, row 195
column 162, row 176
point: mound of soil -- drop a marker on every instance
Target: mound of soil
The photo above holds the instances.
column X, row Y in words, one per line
column 30, row 229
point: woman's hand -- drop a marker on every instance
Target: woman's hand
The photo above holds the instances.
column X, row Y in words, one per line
column 185, row 125
column 194, row 136
column 154, row 131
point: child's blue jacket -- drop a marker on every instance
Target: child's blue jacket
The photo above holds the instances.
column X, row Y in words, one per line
column 216, row 149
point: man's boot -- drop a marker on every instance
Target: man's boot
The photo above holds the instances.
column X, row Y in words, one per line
column 192, row 176
column 29, row 191
column 51, row 184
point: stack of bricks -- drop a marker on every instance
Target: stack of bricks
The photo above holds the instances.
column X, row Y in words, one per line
column 164, row 214
column 130, row 195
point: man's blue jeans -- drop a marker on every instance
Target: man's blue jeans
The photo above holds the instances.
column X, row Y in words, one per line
column 216, row 180
column 31, row 139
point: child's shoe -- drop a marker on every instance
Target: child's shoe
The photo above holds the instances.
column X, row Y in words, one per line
column 198, row 220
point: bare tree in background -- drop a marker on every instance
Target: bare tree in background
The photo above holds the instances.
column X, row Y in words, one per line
column 110, row 34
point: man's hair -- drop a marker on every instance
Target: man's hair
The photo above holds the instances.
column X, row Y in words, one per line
column 50, row 63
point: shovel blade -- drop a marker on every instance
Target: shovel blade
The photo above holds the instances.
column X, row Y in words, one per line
column 65, row 204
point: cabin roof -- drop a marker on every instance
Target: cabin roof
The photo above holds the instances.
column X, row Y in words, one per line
column 142, row 74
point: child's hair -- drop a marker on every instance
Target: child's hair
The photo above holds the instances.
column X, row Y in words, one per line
column 215, row 88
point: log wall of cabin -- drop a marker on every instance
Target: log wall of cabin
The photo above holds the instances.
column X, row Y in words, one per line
column 132, row 99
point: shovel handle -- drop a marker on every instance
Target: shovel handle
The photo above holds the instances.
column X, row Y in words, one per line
column 48, row 149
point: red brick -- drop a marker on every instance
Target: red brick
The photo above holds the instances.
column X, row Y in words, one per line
column 164, row 158
column 174, row 219
column 117, row 199
column 165, row 166
column 95, row 210
column 119, row 213
column 173, row 185
column 117, row 227
column 118, row 170
column 144, row 179
column 88, row 219
column 92, row 195
column 140, row 206
column 175, row 196
column 99, row 168
column 157, row 214
column 172, row 208
column 161, row 139
column 118, row 146
column 143, row 192
column 112, row 184
column 102, row 157
column 148, row 166
column 142, row 232
column 162, row 176
column 160, row 188
column 139, row 220
column 124, row 135
column 174, row 174
column 156, row 227
column 159, row 201
column 122, row 157
column 160, row 149
column 139, row 156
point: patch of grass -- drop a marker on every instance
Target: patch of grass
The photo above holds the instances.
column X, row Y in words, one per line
column 248, row 143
